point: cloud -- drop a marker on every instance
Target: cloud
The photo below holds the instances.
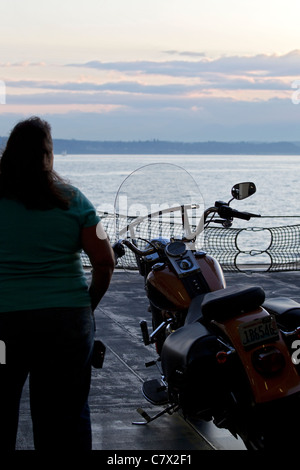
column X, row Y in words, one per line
column 216, row 119
column 22, row 64
column 263, row 64
column 224, row 98
column 158, row 98
column 208, row 119
column 118, row 86
column 130, row 91
column 185, row 53
column 272, row 74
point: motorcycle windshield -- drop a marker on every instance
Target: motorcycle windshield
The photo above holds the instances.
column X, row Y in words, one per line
column 159, row 200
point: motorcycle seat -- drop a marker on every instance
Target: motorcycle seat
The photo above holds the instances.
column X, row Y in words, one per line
column 195, row 310
column 286, row 310
column 225, row 303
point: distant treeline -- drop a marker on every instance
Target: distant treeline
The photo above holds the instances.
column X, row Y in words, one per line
column 156, row 147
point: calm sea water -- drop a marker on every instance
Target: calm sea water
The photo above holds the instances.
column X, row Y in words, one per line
column 276, row 179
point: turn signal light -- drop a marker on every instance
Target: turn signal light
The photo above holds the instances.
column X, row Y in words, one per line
column 297, row 332
column 268, row 361
column 222, row 357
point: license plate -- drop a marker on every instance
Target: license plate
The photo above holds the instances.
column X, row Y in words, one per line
column 259, row 331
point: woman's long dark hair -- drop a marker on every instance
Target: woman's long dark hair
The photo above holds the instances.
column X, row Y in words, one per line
column 26, row 172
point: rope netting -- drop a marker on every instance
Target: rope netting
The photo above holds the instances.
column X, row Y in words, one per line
column 236, row 249
column 284, row 250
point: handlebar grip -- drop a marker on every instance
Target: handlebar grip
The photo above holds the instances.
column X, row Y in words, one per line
column 245, row 215
column 118, row 249
column 241, row 215
column 226, row 212
column 253, row 215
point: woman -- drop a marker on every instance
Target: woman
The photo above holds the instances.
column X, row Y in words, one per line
column 46, row 305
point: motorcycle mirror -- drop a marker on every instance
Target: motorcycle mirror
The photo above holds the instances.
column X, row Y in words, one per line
column 243, row 190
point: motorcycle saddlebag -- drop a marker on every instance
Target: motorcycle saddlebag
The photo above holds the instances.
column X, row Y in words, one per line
column 189, row 365
column 286, row 310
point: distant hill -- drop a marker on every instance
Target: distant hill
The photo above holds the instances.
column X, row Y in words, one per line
column 160, row 147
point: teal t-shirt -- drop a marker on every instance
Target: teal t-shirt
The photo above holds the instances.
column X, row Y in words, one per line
column 40, row 264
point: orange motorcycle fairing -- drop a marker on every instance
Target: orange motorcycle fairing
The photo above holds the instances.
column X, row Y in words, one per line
column 265, row 387
column 165, row 281
column 212, row 271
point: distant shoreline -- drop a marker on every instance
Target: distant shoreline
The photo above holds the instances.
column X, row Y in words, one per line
column 157, row 147
column 160, row 147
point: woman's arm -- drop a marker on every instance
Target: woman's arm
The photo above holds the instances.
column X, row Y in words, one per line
column 102, row 260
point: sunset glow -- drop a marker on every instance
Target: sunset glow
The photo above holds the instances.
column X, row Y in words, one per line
column 166, row 69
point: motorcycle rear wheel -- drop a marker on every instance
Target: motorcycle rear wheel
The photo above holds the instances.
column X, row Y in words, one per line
column 272, row 440
column 277, row 431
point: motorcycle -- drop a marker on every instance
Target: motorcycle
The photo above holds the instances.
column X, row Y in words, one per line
column 224, row 353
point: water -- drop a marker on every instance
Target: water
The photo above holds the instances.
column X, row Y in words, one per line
column 276, row 199
column 276, row 179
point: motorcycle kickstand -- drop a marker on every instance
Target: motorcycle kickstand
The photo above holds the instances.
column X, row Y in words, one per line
column 170, row 409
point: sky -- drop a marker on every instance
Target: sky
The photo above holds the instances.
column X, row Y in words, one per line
column 179, row 70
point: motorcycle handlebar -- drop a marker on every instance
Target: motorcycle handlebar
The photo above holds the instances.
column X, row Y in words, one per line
column 137, row 250
column 224, row 211
column 227, row 212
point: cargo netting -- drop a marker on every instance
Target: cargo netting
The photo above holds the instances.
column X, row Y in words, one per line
column 236, row 249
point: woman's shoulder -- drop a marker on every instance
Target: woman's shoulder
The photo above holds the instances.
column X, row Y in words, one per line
column 68, row 189
column 76, row 197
